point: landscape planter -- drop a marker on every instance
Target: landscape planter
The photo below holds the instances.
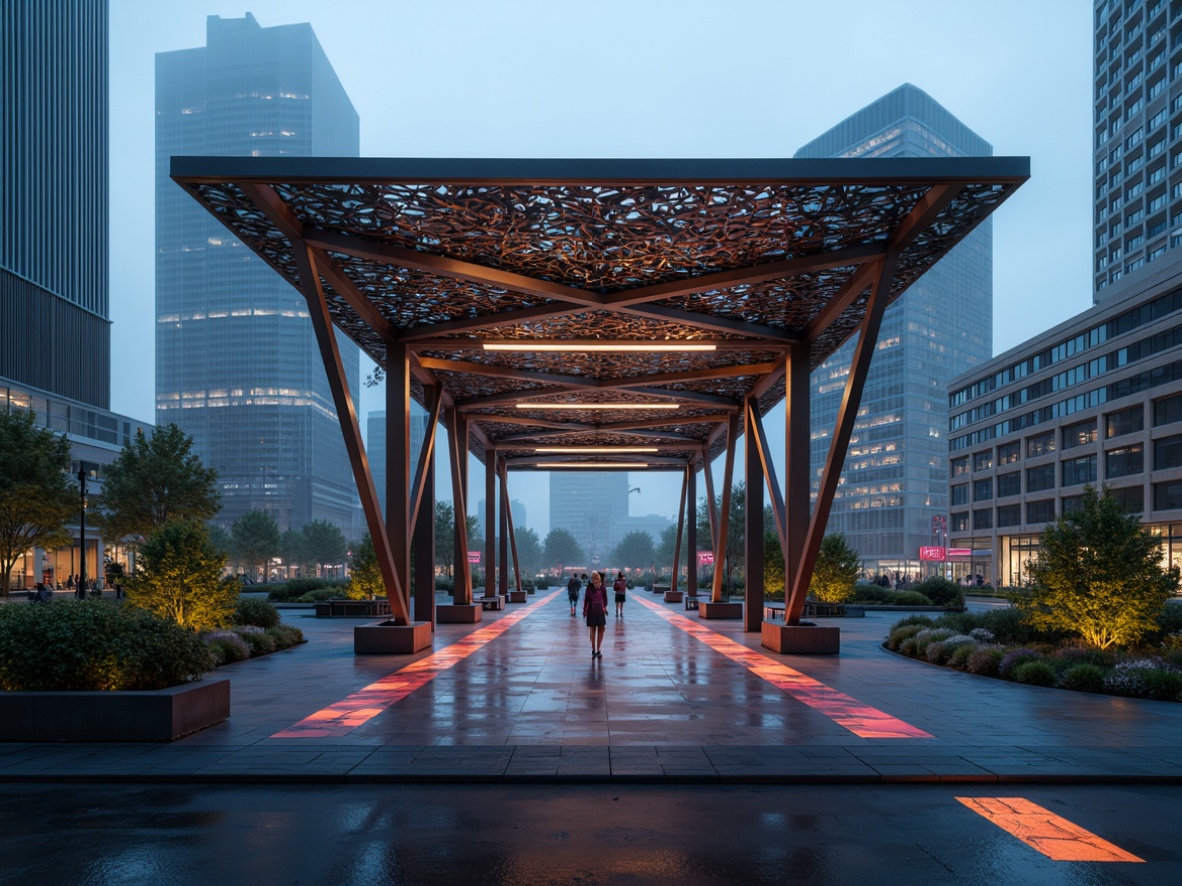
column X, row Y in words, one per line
column 802, row 639
column 517, row 596
column 385, row 638
column 352, row 608
column 458, row 614
column 673, row 596
column 662, row 589
column 149, row 715
column 709, row 609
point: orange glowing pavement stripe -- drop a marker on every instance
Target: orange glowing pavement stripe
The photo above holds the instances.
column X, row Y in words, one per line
column 1041, row 829
column 363, row 705
column 860, row 719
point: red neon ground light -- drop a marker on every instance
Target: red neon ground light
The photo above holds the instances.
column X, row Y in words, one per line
column 1053, row 836
column 362, row 706
column 860, row 719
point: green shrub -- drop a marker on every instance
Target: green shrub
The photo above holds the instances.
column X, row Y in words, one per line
column 1010, row 627
column 1014, row 658
column 227, row 646
column 1038, row 672
column 1164, row 684
column 908, row 598
column 909, row 647
column 255, row 612
column 257, row 639
column 901, row 632
column 1083, row 678
column 286, row 636
column 320, row 595
column 940, row 591
column 865, row 592
column 928, row 636
column 985, row 660
column 959, row 658
column 93, row 645
column 937, row 652
column 1168, row 622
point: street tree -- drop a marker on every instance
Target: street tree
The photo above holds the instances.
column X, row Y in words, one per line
column 1099, row 575
column 37, row 497
column 634, row 550
column 152, row 481
column 365, row 576
column 773, row 560
column 445, row 535
column 836, row 570
column 562, row 551
column 664, row 548
column 325, row 544
column 293, row 548
column 254, row 540
column 181, row 577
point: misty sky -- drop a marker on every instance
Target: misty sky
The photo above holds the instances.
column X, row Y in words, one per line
column 651, row 78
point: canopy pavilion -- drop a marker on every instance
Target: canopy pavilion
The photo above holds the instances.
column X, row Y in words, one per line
column 598, row 315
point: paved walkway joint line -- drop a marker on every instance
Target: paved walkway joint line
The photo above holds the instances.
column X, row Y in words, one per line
column 1039, row 828
column 860, row 719
column 362, row 706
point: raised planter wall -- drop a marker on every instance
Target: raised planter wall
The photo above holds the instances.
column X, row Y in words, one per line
column 155, row 715
column 709, row 609
column 801, row 639
column 458, row 614
column 387, row 639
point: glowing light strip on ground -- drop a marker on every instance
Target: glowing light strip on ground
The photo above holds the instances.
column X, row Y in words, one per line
column 363, row 705
column 862, row 720
column 1053, row 836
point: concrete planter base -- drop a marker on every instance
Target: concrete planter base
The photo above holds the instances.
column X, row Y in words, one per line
column 518, row 596
column 801, row 639
column 458, row 614
column 707, row 609
column 384, row 638
column 154, row 715
column 673, row 596
column 661, row 589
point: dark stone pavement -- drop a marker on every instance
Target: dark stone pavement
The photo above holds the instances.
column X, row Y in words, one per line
column 660, row 707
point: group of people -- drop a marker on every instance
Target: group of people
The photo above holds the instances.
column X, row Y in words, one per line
column 595, row 604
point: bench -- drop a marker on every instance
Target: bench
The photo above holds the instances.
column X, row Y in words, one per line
column 351, row 608
column 772, row 611
column 490, row 603
column 691, row 601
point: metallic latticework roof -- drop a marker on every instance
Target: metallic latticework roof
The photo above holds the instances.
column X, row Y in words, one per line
column 447, row 257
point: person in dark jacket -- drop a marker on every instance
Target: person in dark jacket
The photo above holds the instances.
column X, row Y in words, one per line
column 620, row 587
column 572, row 592
column 595, row 611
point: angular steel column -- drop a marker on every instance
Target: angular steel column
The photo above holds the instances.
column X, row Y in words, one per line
column 753, row 530
column 797, row 470
column 722, row 525
column 351, row 432
column 691, row 497
column 424, row 549
column 490, row 526
column 680, row 527
column 398, row 467
column 843, row 428
column 457, row 451
column 502, row 533
column 508, row 524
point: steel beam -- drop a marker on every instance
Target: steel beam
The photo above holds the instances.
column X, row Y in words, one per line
column 457, row 434
column 680, row 527
column 723, row 525
column 753, row 589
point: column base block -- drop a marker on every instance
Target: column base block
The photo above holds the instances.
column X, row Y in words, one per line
column 708, row 609
column 384, row 638
column 802, row 639
column 458, row 614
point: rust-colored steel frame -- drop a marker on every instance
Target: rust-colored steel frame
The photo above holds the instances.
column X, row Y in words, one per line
column 424, row 262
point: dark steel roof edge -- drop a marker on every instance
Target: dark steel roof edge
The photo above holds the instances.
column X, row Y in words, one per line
column 407, row 170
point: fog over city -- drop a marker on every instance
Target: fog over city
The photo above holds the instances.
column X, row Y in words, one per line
column 662, row 78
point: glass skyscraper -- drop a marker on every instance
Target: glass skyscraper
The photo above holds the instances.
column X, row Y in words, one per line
column 54, row 308
column 892, row 497
column 1138, row 135
column 591, row 506
column 237, row 365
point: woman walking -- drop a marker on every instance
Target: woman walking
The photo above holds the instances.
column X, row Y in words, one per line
column 595, row 611
column 620, row 586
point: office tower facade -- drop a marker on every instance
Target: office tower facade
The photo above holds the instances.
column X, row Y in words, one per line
column 237, row 366
column 1137, row 137
column 54, row 308
column 892, row 498
column 590, row 505
column 375, row 449
column 55, row 350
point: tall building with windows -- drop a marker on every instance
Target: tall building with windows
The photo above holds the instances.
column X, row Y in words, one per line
column 893, row 493
column 1097, row 399
column 1138, row 136
column 54, row 306
column 55, row 357
column 237, row 365
column 590, row 505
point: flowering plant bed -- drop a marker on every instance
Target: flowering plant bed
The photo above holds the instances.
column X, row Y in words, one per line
column 997, row 644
